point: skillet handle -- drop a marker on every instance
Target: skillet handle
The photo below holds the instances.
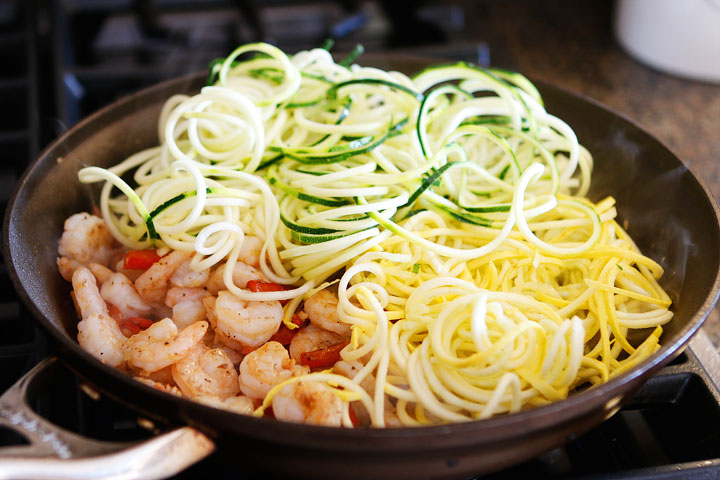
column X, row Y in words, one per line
column 56, row 453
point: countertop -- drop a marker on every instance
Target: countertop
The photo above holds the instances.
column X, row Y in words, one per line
column 571, row 44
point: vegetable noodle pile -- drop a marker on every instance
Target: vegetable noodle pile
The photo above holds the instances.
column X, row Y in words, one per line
column 444, row 213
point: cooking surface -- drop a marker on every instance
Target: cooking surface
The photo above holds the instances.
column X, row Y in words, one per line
column 673, row 424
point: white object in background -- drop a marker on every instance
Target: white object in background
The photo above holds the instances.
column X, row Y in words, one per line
column 676, row 36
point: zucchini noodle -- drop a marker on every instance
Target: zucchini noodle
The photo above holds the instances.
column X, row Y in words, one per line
column 477, row 278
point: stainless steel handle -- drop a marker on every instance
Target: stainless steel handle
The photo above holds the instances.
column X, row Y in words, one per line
column 56, row 453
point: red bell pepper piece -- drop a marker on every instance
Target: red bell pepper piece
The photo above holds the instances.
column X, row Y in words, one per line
column 140, row 259
column 284, row 335
column 299, row 321
column 136, row 324
column 115, row 313
column 324, row 357
column 260, row 286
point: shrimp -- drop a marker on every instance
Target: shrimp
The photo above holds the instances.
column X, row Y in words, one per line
column 234, row 356
column 312, row 338
column 219, row 337
column 350, row 370
column 152, row 285
column 308, row 402
column 187, row 305
column 67, row 266
column 249, row 323
column 209, row 304
column 250, row 251
column 164, row 375
column 101, row 272
column 161, row 345
column 322, row 311
column 98, row 333
column 119, row 290
column 177, row 295
column 86, row 238
column 242, row 274
column 163, row 387
column 266, row 367
column 238, row 404
column 205, row 371
column 184, row 276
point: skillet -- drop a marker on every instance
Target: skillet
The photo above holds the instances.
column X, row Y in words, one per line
column 668, row 212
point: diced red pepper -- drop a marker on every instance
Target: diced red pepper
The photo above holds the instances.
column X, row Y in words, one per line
column 115, row 312
column 284, row 335
column 136, row 324
column 324, row 357
column 299, row 321
column 140, row 259
column 260, row 286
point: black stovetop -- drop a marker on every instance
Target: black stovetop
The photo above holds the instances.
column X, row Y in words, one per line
column 64, row 59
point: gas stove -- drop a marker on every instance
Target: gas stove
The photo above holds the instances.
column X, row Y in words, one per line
column 67, row 58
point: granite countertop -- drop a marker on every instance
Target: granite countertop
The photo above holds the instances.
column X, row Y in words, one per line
column 571, row 44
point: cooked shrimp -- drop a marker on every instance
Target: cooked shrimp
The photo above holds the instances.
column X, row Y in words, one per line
column 234, row 356
column 119, row 290
column 308, row 402
column 266, row 367
column 184, row 276
column 152, row 285
column 322, row 311
column 164, row 375
column 242, row 274
column 352, row 368
column 209, row 304
column 67, row 266
column 101, row 272
column 238, row 404
column 98, row 333
column 205, row 371
column 250, row 251
column 163, row 387
column 349, row 370
column 161, row 345
column 178, row 295
column 187, row 305
column 312, row 338
column 86, row 239
column 249, row 323
column 228, row 342
column 219, row 337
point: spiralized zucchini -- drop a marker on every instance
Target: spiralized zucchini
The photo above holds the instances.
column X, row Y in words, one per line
column 477, row 278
